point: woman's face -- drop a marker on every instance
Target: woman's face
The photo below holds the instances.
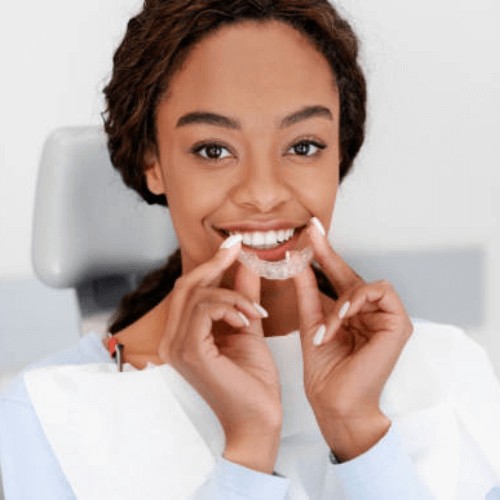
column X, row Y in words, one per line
column 248, row 140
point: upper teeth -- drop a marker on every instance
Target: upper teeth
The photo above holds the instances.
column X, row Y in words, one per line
column 265, row 239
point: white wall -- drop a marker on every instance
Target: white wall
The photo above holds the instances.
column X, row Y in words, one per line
column 427, row 176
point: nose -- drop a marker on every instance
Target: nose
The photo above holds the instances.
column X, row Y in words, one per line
column 261, row 186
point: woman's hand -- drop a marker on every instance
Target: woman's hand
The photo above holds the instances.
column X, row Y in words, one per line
column 349, row 350
column 214, row 338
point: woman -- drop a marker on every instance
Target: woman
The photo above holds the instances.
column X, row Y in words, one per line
column 244, row 117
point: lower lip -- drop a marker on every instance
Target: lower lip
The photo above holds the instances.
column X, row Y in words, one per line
column 277, row 253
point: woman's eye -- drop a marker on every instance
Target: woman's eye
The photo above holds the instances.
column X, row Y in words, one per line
column 211, row 151
column 307, row 148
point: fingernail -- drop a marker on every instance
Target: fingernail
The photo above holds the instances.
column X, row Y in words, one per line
column 244, row 318
column 319, row 335
column 287, row 256
column 317, row 223
column 344, row 309
column 261, row 310
column 231, row 241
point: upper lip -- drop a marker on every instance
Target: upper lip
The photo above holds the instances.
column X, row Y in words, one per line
column 251, row 226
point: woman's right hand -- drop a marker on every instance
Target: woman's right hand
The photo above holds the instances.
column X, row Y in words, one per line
column 214, row 338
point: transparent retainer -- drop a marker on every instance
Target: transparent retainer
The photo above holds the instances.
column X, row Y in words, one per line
column 294, row 263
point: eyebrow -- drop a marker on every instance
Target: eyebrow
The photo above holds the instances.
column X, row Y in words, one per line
column 306, row 113
column 208, row 118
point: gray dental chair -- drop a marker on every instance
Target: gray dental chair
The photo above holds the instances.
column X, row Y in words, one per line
column 90, row 232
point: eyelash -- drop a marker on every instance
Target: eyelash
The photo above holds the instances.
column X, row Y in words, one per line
column 199, row 147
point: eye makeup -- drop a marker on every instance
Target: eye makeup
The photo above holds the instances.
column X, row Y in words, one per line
column 199, row 147
column 307, row 141
column 207, row 145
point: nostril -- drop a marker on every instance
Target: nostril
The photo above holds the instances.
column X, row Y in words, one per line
column 263, row 191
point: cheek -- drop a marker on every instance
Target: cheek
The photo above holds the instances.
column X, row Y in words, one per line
column 191, row 202
column 190, row 207
column 318, row 190
column 189, row 214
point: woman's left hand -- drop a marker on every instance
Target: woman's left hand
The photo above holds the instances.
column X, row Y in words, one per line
column 348, row 360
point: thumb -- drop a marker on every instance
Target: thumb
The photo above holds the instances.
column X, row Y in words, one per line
column 310, row 310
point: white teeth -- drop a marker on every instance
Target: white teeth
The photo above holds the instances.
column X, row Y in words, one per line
column 247, row 238
column 285, row 234
column 271, row 237
column 265, row 239
column 258, row 239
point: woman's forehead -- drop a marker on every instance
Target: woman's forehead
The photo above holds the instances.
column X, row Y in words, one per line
column 254, row 68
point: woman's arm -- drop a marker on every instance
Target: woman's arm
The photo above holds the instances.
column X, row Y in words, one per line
column 349, row 351
column 214, row 338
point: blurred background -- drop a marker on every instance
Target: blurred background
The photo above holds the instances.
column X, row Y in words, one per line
column 424, row 191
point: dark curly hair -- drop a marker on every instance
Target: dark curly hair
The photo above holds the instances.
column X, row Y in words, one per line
column 156, row 44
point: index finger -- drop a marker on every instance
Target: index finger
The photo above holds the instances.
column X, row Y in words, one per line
column 338, row 272
column 248, row 284
column 207, row 274
column 210, row 272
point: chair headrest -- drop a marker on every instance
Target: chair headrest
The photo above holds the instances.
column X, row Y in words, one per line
column 87, row 223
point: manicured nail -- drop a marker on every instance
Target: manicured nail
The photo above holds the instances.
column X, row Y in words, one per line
column 261, row 310
column 319, row 335
column 231, row 241
column 317, row 223
column 244, row 318
column 344, row 309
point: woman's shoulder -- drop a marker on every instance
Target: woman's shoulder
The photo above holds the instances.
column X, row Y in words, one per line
column 88, row 349
column 440, row 363
column 446, row 343
column 454, row 358
column 448, row 363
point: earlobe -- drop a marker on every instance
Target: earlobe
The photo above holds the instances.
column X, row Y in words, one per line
column 154, row 177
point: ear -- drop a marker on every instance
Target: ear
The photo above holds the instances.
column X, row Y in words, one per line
column 154, row 175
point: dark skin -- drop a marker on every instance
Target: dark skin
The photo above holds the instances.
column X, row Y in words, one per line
column 261, row 170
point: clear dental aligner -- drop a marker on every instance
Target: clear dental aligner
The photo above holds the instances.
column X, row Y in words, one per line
column 294, row 263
